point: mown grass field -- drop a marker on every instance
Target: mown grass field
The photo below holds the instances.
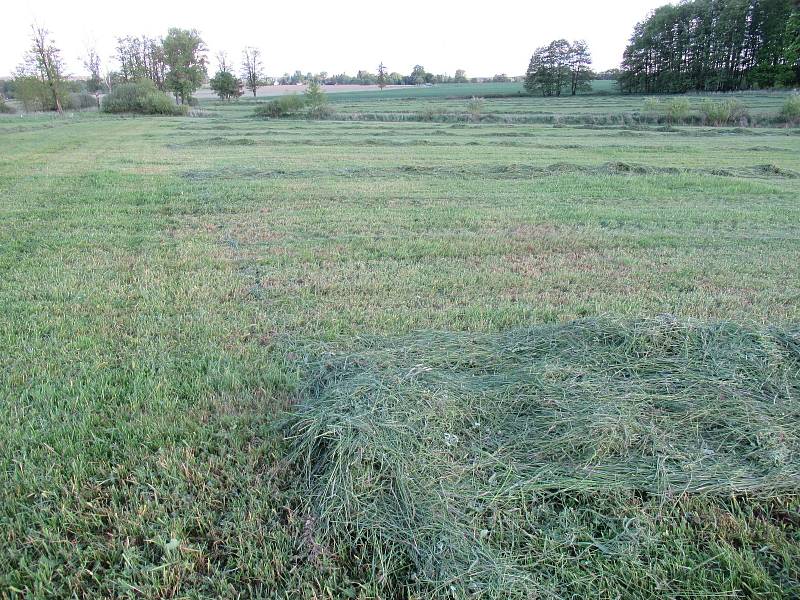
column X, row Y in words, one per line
column 285, row 358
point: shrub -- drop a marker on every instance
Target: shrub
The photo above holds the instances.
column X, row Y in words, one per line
column 652, row 105
column 791, row 109
column 8, row 88
column 320, row 111
column 475, row 107
column 282, row 106
column 722, row 113
column 429, row 113
column 80, row 101
column 314, row 95
column 317, row 101
column 675, row 110
column 140, row 97
column 33, row 94
column 6, row 108
column 678, row 110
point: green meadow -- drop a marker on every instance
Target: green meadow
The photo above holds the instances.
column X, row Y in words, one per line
column 508, row 102
column 243, row 357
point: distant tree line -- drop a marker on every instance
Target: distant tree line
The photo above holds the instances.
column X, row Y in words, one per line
column 714, row 45
column 695, row 45
column 418, row 76
column 175, row 64
column 608, row 75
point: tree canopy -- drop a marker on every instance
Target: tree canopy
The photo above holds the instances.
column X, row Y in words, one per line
column 714, row 45
column 226, row 85
column 560, row 67
column 184, row 56
column 141, row 58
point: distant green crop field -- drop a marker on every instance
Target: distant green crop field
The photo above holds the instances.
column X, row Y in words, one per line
column 515, row 358
column 454, row 90
column 442, row 90
column 504, row 101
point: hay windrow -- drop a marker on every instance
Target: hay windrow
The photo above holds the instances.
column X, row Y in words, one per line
column 486, row 172
column 596, row 457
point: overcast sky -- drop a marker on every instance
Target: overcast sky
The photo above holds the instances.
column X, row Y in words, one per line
column 483, row 38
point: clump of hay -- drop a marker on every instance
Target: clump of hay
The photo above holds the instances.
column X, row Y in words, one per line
column 653, row 458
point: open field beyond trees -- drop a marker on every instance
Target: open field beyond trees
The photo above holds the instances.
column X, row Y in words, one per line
column 244, row 357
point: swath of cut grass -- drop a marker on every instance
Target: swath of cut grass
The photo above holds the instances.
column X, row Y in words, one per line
column 654, row 458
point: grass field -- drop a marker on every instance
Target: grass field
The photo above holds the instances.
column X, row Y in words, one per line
column 506, row 102
column 322, row 359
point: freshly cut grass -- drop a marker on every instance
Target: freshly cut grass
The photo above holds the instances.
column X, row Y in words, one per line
column 151, row 266
column 655, row 458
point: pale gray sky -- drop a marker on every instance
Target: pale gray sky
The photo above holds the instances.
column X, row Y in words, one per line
column 482, row 37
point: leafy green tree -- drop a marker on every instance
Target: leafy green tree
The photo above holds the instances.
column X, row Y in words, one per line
column 226, row 85
column 580, row 62
column 791, row 54
column 460, row 76
column 419, row 75
column 141, row 58
column 549, row 71
column 536, row 74
column 365, row 78
column 314, row 96
column 185, row 58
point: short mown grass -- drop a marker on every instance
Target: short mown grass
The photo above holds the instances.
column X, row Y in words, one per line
column 172, row 289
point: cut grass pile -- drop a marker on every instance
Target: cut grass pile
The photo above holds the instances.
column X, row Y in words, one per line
column 653, row 458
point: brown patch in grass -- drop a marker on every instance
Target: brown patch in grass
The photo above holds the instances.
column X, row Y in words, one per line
column 192, row 227
column 579, row 260
column 253, row 233
column 528, row 231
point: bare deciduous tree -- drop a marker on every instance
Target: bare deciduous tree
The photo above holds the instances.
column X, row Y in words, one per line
column 252, row 68
column 44, row 60
column 91, row 63
column 223, row 63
